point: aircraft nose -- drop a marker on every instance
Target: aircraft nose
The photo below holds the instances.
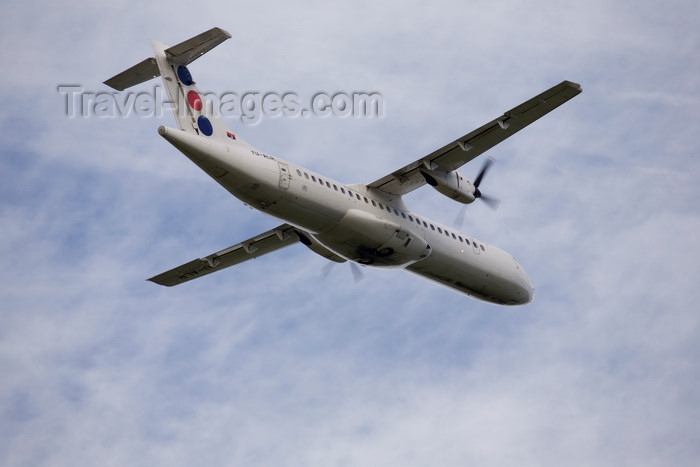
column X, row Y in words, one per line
column 522, row 284
column 527, row 292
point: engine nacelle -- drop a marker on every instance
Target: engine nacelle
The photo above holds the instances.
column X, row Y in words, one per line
column 368, row 239
column 317, row 248
column 451, row 184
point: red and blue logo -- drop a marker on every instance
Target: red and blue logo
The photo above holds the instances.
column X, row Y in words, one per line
column 194, row 100
column 184, row 75
column 205, row 125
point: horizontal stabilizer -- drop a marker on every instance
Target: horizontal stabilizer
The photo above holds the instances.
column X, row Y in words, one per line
column 190, row 50
column 259, row 245
column 147, row 69
column 181, row 54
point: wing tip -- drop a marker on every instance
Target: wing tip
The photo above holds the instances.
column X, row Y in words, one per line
column 575, row 86
column 223, row 32
column 158, row 281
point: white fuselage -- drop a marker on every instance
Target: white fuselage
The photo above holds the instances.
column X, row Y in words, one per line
column 357, row 223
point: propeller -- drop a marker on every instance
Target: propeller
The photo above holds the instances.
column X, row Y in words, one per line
column 357, row 273
column 459, row 220
column 489, row 200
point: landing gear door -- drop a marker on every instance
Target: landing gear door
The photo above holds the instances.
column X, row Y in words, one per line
column 284, row 176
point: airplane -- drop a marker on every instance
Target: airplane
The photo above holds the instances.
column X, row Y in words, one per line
column 366, row 224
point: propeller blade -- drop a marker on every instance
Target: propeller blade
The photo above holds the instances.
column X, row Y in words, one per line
column 327, row 268
column 484, row 169
column 459, row 220
column 491, row 202
column 357, row 273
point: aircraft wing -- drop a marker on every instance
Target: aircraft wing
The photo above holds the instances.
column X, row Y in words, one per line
column 471, row 145
column 266, row 242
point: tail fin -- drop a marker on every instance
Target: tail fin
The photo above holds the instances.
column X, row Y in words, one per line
column 191, row 112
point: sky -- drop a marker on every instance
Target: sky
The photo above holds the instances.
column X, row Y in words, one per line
column 270, row 362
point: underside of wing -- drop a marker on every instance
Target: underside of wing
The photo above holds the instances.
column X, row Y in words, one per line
column 190, row 50
column 254, row 247
column 459, row 152
column 183, row 53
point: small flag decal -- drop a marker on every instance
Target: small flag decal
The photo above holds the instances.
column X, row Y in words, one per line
column 230, row 135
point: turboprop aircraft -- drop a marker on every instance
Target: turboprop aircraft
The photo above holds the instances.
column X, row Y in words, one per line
column 368, row 224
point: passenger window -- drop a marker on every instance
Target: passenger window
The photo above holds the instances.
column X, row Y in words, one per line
column 432, row 226
column 424, row 224
column 328, row 184
column 373, row 203
column 388, row 208
column 381, row 206
column 299, row 172
column 358, row 197
column 403, row 214
column 439, row 230
column 396, row 212
column 320, row 181
column 410, row 218
column 335, row 188
column 482, row 247
column 342, row 190
column 313, row 178
column 453, row 236
column 306, row 175
column 447, row 233
column 466, row 240
column 460, row 239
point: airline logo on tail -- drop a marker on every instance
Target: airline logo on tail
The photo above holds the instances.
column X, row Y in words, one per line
column 171, row 63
